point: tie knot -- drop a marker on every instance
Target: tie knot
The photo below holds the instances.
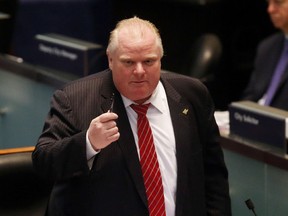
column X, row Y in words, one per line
column 140, row 109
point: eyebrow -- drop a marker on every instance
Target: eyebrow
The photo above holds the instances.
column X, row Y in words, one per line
column 149, row 56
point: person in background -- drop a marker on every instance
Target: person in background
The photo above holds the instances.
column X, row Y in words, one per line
column 91, row 145
column 268, row 83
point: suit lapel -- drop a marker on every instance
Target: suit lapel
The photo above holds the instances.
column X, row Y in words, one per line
column 127, row 144
column 107, row 92
column 180, row 112
column 126, row 141
column 176, row 111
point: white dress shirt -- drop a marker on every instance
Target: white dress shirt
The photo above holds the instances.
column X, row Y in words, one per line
column 160, row 122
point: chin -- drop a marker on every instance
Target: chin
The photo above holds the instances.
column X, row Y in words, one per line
column 140, row 100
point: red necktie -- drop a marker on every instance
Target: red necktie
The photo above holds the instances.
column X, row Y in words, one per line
column 149, row 163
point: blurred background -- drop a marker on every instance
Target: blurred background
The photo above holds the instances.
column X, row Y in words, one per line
column 213, row 40
column 238, row 25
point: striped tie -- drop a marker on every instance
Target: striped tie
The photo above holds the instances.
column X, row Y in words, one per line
column 149, row 163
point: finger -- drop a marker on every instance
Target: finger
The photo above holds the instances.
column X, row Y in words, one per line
column 113, row 137
column 105, row 117
column 110, row 125
column 110, row 132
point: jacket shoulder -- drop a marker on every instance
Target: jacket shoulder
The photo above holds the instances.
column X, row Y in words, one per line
column 93, row 77
column 182, row 82
column 271, row 40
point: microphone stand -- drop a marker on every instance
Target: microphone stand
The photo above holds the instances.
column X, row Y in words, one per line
column 250, row 206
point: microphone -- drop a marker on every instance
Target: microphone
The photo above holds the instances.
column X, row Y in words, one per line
column 250, row 206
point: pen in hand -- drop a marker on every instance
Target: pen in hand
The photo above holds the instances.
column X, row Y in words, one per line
column 112, row 103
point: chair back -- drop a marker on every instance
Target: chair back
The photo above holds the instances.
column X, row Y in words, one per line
column 22, row 193
column 205, row 55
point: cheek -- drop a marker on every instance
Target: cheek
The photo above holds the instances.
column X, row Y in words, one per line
column 285, row 17
column 155, row 74
column 120, row 80
column 154, row 82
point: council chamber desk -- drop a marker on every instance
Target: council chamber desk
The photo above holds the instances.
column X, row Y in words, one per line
column 25, row 93
column 256, row 172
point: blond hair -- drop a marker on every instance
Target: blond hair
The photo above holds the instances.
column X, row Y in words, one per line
column 136, row 26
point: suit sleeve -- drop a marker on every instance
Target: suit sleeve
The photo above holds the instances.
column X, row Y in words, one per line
column 61, row 149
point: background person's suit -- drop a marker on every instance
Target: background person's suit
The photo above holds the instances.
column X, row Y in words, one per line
column 114, row 186
column 268, row 54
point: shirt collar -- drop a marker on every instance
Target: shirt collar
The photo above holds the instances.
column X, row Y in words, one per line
column 157, row 98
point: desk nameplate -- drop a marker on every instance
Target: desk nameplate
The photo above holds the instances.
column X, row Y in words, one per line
column 260, row 124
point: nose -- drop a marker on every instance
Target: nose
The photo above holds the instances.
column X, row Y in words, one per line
column 139, row 68
column 271, row 7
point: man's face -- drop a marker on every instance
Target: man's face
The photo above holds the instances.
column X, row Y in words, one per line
column 278, row 11
column 136, row 65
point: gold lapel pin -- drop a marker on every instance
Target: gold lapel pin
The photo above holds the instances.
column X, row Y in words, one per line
column 185, row 111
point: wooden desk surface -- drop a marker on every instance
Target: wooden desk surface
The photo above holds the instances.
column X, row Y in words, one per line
column 16, row 150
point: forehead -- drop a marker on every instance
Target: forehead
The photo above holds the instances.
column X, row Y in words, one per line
column 136, row 35
column 277, row 2
column 134, row 41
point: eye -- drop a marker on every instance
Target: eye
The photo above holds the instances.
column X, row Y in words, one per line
column 128, row 62
column 149, row 62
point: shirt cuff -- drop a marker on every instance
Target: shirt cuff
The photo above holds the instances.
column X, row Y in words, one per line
column 90, row 152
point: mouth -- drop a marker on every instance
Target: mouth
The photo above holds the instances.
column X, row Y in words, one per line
column 138, row 84
column 274, row 17
column 139, row 81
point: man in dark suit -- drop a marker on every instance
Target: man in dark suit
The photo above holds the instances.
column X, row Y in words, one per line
column 90, row 149
column 269, row 52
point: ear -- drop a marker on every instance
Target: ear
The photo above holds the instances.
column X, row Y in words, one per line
column 110, row 59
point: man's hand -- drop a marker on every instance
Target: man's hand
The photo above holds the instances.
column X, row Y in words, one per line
column 103, row 130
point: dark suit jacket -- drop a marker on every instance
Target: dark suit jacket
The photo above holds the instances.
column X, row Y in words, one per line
column 114, row 186
column 268, row 54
